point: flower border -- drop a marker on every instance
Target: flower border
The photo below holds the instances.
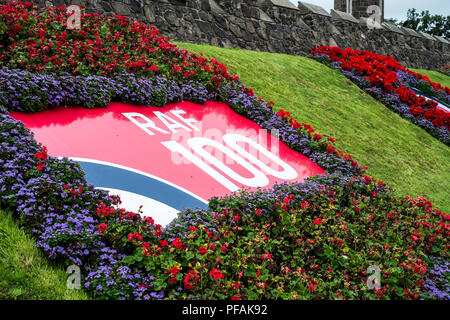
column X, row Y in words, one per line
column 390, row 83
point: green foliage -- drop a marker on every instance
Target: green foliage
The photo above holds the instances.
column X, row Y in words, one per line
column 433, row 24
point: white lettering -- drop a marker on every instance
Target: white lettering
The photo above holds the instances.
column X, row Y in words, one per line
column 288, row 172
column 176, row 147
column 189, row 121
column 258, row 179
column 144, row 125
column 166, row 120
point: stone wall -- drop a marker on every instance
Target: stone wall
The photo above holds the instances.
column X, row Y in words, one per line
column 273, row 26
column 358, row 8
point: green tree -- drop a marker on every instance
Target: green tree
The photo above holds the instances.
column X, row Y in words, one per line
column 433, row 24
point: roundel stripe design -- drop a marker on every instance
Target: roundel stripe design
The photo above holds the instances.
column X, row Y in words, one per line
column 109, row 176
column 441, row 105
column 168, row 159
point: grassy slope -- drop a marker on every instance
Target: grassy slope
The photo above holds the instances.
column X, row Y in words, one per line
column 435, row 76
column 24, row 271
column 396, row 151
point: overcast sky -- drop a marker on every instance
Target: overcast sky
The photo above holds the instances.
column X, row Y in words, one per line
column 397, row 8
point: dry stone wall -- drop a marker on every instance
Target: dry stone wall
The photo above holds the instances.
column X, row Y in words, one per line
column 273, row 26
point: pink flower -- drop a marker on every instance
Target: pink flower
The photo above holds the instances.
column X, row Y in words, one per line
column 266, row 255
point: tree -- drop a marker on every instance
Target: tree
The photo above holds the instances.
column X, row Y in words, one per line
column 438, row 25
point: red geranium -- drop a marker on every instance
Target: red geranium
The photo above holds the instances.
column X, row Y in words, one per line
column 216, row 274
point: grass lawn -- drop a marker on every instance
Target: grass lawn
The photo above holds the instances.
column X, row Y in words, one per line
column 435, row 76
column 25, row 273
column 395, row 150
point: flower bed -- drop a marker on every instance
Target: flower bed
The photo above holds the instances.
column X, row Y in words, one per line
column 388, row 81
column 311, row 240
column 445, row 70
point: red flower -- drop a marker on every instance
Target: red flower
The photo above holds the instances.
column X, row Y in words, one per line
column 202, row 250
column 216, row 274
column 149, row 220
column 305, row 204
column 102, row 227
column 174, row 270
column 163, row 243
column 191, row 277
column 266, row 255
column 177, row 243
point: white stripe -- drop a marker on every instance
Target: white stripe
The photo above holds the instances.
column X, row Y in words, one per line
column 138, row 172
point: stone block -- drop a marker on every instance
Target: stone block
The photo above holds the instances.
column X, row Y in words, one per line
column 339, row 15
column 427, row 36
column 308, row 8
column 442, row 39
column 263, row 16
column 392, row 27
column 411, row 32
column 149, row 14
column 121, row 8
column 215, row 7
column 284, row 4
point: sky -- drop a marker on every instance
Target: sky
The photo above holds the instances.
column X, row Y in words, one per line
column 397, row 8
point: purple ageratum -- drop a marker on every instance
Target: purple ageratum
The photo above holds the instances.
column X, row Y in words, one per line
column 23, row 91
column 437, row 286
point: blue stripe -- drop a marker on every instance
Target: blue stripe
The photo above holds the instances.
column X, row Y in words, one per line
column 104, row 176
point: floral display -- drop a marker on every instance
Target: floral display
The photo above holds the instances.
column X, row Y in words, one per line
column 310, row 240
column 388, row 81
column 445, row 70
